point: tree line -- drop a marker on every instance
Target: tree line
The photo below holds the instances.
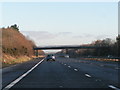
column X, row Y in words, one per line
column 15, row 27
column 111, row 51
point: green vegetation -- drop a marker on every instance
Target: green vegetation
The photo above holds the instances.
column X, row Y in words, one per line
column 15, row 27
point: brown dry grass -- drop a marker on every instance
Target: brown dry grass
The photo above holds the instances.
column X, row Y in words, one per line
column 101, row 59
column 8, row 60
column 15, row 47
column 12, row 39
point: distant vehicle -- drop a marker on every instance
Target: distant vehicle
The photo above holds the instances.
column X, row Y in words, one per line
column 67, row 56
column 109, row 56
column 89, row 56
column 50, row 57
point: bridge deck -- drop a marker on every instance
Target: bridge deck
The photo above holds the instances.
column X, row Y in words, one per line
column 69, row 47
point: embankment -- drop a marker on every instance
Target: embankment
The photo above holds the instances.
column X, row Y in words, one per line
column 16, row 48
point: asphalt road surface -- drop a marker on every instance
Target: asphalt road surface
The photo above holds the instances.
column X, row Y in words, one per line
column 62, row 73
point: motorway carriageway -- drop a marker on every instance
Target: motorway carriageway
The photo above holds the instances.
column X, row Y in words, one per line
column 62, row 73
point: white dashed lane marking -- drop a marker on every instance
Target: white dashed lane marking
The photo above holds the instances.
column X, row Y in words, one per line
column 69, row 66
column 87, row 75
column 101, row 65
column 75, row 69
column 61, row 86
column 113, row 87
column 117, row 68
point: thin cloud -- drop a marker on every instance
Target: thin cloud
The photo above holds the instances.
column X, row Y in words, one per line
column 65, row 33
column 39, row 34
column 44, row 34
column 84, row 36
column 47, row 38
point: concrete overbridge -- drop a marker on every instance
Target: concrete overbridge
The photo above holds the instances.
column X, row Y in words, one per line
column 68, row 47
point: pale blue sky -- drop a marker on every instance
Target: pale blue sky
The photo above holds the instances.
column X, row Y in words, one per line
column 63, row 23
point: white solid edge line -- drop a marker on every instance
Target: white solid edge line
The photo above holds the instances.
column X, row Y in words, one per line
column 87, row 75
column 18, row 79
column 113, row 87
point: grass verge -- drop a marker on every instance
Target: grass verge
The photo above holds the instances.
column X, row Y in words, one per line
column 8, row 60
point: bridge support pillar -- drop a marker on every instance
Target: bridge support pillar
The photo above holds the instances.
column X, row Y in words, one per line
column 66, row 51
column 36, row 53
